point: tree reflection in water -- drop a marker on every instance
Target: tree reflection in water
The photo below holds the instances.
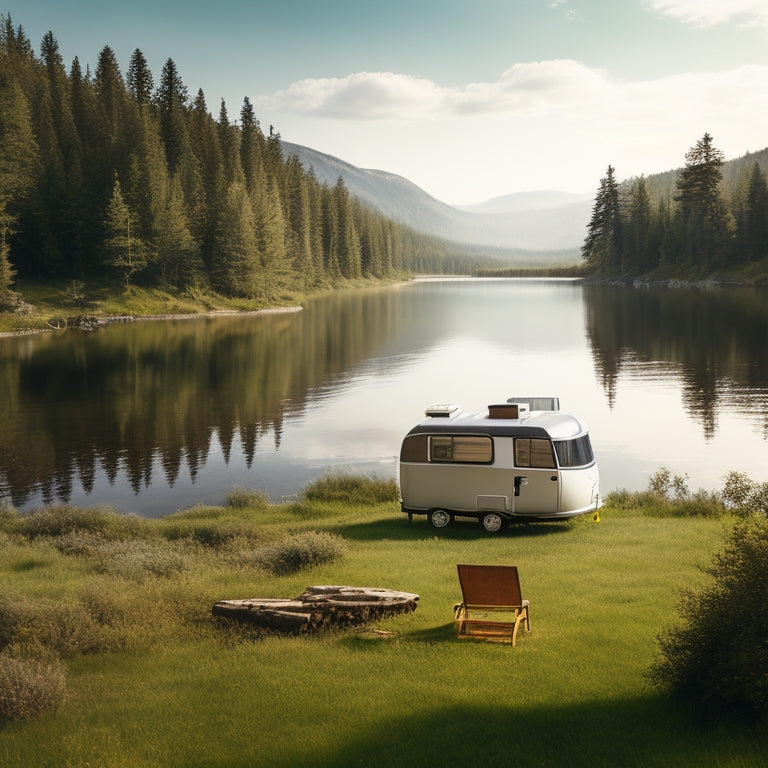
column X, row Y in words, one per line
column 149, row 403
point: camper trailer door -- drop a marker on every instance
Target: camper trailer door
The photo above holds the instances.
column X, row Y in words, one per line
column 536, row 478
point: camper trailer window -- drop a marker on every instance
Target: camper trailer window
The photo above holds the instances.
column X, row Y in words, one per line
column 534, row 452
column 460, row 449
column 574, row 453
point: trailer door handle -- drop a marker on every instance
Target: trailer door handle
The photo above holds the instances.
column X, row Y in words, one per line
column 520, row 480
column 553, row 478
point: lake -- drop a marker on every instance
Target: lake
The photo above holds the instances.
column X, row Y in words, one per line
column 155, row 416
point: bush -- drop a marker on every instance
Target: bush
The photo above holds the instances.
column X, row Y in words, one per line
column 65, row 519
column 29, row 687
column 743, row 495
column 663, row 483
column 241, row 498
column 8, row 516
column 718, row 657
column 209, row 533
column 136, row 560
column 64, row 628
column 304, row 550
column 354, row 489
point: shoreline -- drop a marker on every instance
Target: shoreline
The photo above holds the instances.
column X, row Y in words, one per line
column 93, row 322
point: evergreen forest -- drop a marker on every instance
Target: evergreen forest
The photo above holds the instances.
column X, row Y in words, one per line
column 112, row 177
column 707, row 220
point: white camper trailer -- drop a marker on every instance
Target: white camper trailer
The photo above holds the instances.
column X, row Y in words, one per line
column 524, row 460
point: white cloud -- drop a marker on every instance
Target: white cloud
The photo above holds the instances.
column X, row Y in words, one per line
column 707, row 13
column 404, row 98
column 548, row 124
column 361, row 96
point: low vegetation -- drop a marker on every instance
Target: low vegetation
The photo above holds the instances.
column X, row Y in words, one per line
column 109, row 654
column 49, row 304
column 718, row 656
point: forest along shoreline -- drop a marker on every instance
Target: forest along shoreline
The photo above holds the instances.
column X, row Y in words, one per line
column 94, row 322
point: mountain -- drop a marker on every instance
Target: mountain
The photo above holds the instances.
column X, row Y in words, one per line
column 544, row 226
column 540, row 200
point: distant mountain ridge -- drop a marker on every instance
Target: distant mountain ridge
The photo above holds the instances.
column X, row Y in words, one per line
column 538, row 200
column 545, row 224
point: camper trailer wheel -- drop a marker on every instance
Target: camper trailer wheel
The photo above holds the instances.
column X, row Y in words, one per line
column 492, row 522
column 439, row 518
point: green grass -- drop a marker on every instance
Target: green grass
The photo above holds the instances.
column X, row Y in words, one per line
column 169, row 687
column 57, row 300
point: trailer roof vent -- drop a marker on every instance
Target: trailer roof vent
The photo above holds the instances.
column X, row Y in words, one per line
column 448, row 411
column 538, row 403
column 508, row 411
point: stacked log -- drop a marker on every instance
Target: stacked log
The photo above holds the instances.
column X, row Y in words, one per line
column 317, row 608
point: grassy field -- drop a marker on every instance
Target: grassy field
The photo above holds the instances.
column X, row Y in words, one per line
column 152, row 680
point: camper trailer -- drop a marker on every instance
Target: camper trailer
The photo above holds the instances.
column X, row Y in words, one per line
column 524, row 460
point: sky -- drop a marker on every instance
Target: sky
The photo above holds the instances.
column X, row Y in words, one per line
column 469, row 100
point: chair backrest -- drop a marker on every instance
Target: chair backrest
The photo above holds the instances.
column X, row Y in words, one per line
column 490, row 585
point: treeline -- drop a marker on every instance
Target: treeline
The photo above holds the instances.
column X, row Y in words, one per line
column 102, row 175
column 700, row 227
column 574, row 271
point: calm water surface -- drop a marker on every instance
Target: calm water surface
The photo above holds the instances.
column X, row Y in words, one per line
column 152, row 417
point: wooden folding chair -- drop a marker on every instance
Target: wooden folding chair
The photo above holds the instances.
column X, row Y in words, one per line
column 492, row 605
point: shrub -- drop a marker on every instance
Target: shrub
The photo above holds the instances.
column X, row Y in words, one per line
column 8, row 516
column 29, row 687
column 242, row 498
column 355, row 489
column 743, row 495
column 209, row 533
column 65, row 519
column 136, row 559
column 718, row 656
column 64, row 628
column 304, row 550
column 79, row 542
column 663, row 483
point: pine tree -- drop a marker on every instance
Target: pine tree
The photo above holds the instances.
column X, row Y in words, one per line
column 330, row 235
column 299, row 229
column 110, row 90
column 637, row 256
column 703, row 220
column 229, row 141
column 125, row 251
column 251, row 148
column 139, row 78
column 111, row 136
column 178, row 255
column 205, row 143
column 96, row 185
column 171, row 99
column 602, row 246
column 64, row 190
column 270, row 229
column 752, row 219
column 20, row 162
column 7, row 272
column 146, row 187
column 236, row 265
column 349, row 243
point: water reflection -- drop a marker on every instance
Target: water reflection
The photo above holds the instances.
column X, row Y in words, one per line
column 714, row 340
column 154, row 416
